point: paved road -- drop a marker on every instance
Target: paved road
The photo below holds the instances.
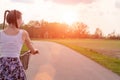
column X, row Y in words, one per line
column 57, row 62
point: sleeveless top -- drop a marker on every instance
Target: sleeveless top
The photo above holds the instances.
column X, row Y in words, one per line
column 10, row 45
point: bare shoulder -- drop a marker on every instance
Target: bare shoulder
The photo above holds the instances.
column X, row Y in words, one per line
column 24, row 32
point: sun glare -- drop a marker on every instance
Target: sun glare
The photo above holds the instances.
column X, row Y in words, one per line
column 69, row 18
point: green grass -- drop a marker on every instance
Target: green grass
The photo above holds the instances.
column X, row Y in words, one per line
column 109, row 62
column 24, row 49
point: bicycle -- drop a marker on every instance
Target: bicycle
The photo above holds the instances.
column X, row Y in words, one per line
column 25, row 57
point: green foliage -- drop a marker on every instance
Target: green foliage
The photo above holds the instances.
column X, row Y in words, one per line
column 24, row 49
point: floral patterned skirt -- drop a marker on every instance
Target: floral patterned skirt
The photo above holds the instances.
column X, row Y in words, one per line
column 11, row 69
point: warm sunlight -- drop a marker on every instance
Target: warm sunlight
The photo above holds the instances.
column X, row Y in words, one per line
column 94, row 13
column 69, row 17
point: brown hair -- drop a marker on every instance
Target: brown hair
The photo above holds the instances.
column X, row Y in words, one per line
column 12, row 17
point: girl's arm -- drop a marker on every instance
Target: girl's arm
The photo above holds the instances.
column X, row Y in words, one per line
column 28, row 42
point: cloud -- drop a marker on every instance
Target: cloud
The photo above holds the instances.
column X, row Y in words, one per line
column 73, row 1
column 23, row 1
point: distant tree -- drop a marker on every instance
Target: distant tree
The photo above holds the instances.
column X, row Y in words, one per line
column 37, row 29
column 81, row 30
column 44, row 29
column 98, row 33
column 113, row 35
column 34, row 23
column 55, row 30
column 1, row 25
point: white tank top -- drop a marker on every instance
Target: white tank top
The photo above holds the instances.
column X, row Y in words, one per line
column 10, row 45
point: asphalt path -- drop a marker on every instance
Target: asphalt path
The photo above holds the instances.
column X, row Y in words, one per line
column 57, row 62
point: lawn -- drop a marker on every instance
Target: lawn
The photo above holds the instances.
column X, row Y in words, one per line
column 24, row 49
column 104, row 52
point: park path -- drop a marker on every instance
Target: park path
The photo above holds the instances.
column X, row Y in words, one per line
column 57, row 62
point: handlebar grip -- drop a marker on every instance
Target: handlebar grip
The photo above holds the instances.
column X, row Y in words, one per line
column 36, row 52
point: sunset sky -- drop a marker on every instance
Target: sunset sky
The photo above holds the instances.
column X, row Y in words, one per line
column 104, row 14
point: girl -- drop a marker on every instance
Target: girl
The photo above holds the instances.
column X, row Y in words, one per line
column 11, row 41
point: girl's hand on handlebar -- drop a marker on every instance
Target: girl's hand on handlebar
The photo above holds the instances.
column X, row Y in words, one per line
column 35, row 52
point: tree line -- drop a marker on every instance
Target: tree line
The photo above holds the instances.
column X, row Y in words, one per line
column 49, row 30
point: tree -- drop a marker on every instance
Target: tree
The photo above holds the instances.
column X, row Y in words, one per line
column 98, row 33
column 113, row 35
column 81, row 30
column 44, row 29
column 1, row 26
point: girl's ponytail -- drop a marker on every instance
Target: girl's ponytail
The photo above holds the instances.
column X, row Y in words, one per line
column 7, row 11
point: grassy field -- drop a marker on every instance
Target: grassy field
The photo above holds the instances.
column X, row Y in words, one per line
column 101, row 51
column 107, row 47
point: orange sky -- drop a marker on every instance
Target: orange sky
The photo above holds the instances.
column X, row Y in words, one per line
column 94, row 13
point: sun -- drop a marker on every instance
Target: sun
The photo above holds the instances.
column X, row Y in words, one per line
column 69, row 18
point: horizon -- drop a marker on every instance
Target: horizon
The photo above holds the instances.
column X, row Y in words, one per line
column 94, row 13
